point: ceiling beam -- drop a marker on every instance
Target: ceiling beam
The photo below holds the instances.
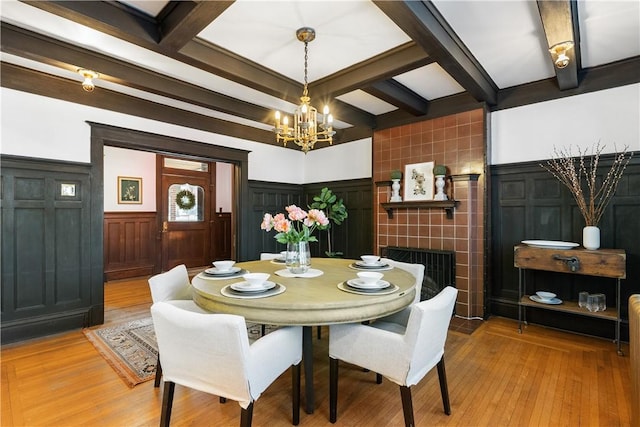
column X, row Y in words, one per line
column 127, row 24
column 437, row 108
column 379, row 68
column 560, row 22
column 60, row 54
column 602, row 77
column 397, row 94
column 111, row 18
column 424, row 24
column 31, row 81
column 187, row 19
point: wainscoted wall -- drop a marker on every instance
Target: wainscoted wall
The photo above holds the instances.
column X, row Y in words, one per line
column 528, row 203
column 48, row 284
column 130, row 244
column 353, row 237
column 457, row 141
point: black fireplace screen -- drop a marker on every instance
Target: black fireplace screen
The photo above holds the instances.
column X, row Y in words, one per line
column 440, row 266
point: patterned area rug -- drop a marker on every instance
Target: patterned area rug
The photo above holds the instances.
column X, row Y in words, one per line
column 131, row 350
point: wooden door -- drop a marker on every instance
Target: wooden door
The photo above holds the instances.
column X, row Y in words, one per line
column 186, row 205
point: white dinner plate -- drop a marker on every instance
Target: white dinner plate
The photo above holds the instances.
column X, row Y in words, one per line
column 343, row 286
column 248, row 287
column 552, row 301
column 360, row 284
column 376, row 264
column 355, row 266
column 214, row 271
column 550, row 244
column 312, row 272
column 229, row 292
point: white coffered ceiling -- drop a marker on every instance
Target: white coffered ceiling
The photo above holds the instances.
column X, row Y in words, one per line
column 491, row 46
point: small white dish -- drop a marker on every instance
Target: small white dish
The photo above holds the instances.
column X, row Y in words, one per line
column 370, row 277
column 550, row 244
column 370, row 259
column 546, row 296
column 359, row 284
column 248, row 287
column 553, row 301
column 214, row 271
column 224, row 265
column 256, row 279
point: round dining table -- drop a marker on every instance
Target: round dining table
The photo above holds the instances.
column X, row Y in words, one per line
column 320, row 297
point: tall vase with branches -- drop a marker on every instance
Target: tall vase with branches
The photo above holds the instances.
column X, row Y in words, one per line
column 579, row 175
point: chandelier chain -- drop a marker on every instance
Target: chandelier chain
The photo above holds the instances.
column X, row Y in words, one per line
column 305, row 91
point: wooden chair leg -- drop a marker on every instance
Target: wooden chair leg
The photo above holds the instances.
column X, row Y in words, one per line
column 264, row 329
column 407, row 406
column 378, row 379
column 333, row 389
column 156, row 382
column 246, row 416
column 319, row 332
column 223, row 399
column 295, row 393
column 444, row 390
column 167, row 402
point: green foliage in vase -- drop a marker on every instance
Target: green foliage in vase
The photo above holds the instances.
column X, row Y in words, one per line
column 440, row 170
column 396, row 174
column 335, row 210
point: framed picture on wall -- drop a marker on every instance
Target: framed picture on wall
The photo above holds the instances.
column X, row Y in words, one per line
column 129, row 190
column 418, row 181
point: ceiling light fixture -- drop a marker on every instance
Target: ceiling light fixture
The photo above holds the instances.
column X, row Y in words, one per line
column 559, row 53
column 306, row 130
column 88, row 75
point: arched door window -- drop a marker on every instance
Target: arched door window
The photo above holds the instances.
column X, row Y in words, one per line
column 186, row 203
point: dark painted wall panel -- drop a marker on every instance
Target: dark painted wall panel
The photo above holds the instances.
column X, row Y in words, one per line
column 528, row 203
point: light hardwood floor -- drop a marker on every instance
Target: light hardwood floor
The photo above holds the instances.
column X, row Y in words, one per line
column 496, row 377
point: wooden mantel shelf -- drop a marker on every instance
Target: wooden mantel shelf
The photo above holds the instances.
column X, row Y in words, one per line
column 447, row 205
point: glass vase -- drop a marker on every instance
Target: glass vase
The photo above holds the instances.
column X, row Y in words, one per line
column 298, row 257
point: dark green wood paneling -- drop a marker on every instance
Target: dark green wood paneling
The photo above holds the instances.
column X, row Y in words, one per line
column 353, row 237
column 45, row 247
column 527, row 203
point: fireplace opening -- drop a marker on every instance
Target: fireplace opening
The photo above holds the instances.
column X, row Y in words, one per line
column 440, row 267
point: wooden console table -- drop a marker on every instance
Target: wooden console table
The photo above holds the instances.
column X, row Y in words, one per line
column 608, row 263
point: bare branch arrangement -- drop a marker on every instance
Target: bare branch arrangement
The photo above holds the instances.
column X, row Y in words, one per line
column 579, row 175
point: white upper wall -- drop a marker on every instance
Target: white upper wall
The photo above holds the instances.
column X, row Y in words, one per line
column 351, row 160
column 530, row 132
column 36, row 126
column 41, row 127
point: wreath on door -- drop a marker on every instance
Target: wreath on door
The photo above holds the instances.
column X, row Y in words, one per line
column 185, row 199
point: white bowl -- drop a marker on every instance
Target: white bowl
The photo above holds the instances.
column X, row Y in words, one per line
column 256, row 279
column 224, row 265
column 370, row 259
column 546, row 295
column 370, row 277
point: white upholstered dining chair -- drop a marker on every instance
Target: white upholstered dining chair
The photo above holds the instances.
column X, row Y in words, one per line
column 268, row 255
column 401, row 352
column 213, row 354
column 172, row 285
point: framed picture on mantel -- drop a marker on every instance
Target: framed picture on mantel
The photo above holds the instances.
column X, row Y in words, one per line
column 129, row 190
column 418, row 181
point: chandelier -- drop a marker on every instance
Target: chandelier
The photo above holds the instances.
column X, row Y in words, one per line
column 306, row 130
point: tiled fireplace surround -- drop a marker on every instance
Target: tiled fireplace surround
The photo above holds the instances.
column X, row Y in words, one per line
column 457, row 141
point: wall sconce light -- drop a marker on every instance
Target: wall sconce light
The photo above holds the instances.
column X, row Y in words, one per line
column 88, row 75
column 559, row 52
